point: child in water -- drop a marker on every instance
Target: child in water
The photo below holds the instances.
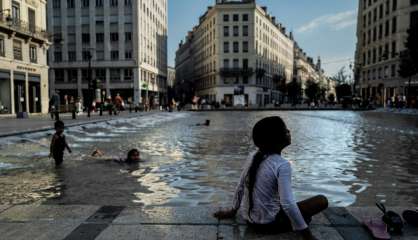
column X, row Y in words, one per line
column 264, row 193
column 58, row 144
column 133, row 156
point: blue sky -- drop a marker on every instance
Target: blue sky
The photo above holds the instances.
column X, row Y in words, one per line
column 323, row 28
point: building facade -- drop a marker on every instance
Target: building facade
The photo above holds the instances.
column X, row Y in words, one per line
column 381, row 33
column 124, row 42
column 237, row 54
column 23, row 57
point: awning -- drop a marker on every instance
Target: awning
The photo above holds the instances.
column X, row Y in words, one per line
column 19, row 76
column 34, row 78
column 4, row 75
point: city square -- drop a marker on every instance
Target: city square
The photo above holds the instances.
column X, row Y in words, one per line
column 130, row 120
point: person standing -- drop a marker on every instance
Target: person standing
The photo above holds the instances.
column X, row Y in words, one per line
column 58, row 144
column 55, row 104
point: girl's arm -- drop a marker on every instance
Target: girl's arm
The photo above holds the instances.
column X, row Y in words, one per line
column 239, row 193
column 66, row 145
column 287, row 200
column 51, row 147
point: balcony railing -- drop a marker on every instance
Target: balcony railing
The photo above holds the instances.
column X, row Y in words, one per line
column 23, row 27
column 234, row 72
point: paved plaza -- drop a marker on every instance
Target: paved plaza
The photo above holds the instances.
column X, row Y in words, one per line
column 86, row 222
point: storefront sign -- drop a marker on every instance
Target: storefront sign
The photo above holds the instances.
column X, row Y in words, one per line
column 24, row 68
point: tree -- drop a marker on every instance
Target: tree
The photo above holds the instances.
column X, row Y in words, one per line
column 341, row 77
column 312, row 90
column 409, row 58
column 294, row 90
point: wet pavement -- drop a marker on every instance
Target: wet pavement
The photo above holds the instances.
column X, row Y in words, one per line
column 87, row 222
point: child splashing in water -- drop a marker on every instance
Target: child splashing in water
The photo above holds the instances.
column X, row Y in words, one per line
column 58, row 144
column 264, row 194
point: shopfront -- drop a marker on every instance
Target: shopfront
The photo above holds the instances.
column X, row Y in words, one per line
column 34, row 93
column 19, row 92
column 5, row 93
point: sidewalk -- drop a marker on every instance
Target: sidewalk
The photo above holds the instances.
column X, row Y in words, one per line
column 87, row 222
column 13, row 126
column 408, row 111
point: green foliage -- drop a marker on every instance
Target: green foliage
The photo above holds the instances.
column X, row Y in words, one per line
column 312, row 90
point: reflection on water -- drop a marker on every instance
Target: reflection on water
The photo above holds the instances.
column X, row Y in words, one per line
column 353, row 158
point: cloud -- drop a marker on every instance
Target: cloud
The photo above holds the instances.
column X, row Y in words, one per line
column 336, row 21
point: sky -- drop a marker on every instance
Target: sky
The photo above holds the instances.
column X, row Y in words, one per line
column 325, row 28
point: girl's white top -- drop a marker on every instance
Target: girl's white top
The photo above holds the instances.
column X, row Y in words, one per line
column 272, row 191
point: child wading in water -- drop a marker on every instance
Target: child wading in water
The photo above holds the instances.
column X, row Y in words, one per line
column 264, row 194
column 58, row 144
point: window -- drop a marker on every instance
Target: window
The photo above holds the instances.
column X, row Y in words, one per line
column 59, row 75
column 2, row 49
column 58, row 56
column 17, row 49
column 85, row 38
column 85, row 3
column 33, row 54
column 226, row 31
column 56, row 4
column 235, row 63
column 235, row 17
column 226, row 47
column 114, row 75
column 70, row 3
column 128, row 74
column 236, row 31
column 128, row 36
column 245, row 31
column 72, row 57
column 245, row 63
column 245, row 47
column 245, row 17
column 381, row 11
column 113, row 3
column 72, row 75
column 387, row 29
column 86, row 56
column 128, row 3
column 414, row 2
column 101, row 74
column 99, row 3
column 236, row 47
column 99, row 37
column 114, row 55
column 226, row 18
column 15, row 11
column 393, row 71
column 394, row 25
column 114, row 37
column 128, row 55
column 394, row 49
column 394, row 5
column 226, row 63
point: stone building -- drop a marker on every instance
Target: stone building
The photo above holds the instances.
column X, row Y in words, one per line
column 126, row 42
column 381, row 33
column 23, row 62
column 237, row 54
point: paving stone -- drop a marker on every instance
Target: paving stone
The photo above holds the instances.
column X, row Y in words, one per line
column 318, row 219
column 246, row 233
column 167, row 215
column 4, row 207
column 158, row 232
column 24, row 213
column 36, row 231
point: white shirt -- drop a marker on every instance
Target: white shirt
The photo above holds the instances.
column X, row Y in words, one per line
column 272, row 191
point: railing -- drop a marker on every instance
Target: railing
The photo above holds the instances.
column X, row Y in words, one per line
column 23, row 27
column 236, row 72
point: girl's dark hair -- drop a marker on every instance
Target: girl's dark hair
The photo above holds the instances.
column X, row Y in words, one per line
column 269, row 135
column 131, row 153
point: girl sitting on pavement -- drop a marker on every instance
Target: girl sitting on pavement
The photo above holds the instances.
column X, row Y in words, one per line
column 264, row 193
